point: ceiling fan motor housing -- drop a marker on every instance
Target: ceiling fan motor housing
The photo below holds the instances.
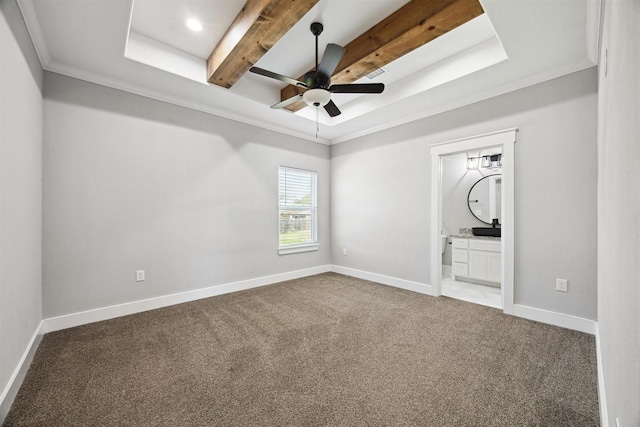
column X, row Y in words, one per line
column 316, row 80
column 316, row 85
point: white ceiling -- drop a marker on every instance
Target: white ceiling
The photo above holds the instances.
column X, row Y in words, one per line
column 146, row 48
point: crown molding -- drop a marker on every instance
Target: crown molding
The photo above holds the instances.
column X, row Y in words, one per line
column 481, row 96
column 28, row 10
column 135, row 89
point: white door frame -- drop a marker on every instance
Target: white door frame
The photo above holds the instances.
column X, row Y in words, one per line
column 506, row 140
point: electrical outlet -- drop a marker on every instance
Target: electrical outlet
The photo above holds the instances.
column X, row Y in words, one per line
column 561, row 285
column 344, row 251
column 140, row 276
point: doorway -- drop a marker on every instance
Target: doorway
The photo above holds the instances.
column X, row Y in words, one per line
column 498, row 142
column 471, row 200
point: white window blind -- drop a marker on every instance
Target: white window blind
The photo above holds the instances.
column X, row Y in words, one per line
column 297, row 210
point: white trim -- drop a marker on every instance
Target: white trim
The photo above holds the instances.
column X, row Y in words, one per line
column 409, row 285
column 506, row 140
column 105, row 313
column 444, row 148
column 77, row 319
column 285, row 250
column 478, row 97
column 508, row 227
column 33, row 25
column 15, row 381
column 30, row 16
column 594, row 13
column 539, row 315
column 436, row 222
column 602, row 398
column 135, row 89
column 557, row 319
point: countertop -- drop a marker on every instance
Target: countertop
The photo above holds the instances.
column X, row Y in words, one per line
column 471, row 236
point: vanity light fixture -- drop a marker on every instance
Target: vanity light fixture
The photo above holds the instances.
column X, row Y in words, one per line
column 492, row 161
column 472, row 163
column 495, row 161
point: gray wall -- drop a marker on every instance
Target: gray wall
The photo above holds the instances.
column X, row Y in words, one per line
column 381, row 192
column 619, row 211
column 132, row 183
column 20, row 191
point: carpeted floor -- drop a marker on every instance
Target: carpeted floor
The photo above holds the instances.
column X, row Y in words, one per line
column 324, row 350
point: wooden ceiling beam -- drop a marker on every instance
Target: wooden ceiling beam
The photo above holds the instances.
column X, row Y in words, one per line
column 413, row 25
column 258, row 26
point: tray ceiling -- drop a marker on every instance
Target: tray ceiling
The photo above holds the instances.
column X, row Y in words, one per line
column 145, row 47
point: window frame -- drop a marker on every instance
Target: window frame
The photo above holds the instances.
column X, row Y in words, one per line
column 312, row 245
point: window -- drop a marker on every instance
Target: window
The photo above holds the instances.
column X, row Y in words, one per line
column 297, row 210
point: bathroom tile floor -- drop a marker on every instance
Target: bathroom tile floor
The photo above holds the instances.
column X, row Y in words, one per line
column 471, row 292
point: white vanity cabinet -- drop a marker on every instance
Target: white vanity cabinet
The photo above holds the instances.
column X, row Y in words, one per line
column 460, row 257
column 477, row 259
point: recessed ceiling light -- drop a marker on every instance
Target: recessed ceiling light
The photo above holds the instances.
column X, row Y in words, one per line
column 194, row 25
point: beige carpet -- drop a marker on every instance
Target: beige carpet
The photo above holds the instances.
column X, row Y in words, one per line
column 324, row 350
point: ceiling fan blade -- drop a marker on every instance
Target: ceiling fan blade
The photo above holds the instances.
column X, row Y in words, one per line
column 330, row 60
column 289, row 101
column 277, row 76
column 332, row 109
column 358, row 88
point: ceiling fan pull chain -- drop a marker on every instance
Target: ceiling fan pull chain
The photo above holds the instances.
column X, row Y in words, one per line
column 317, row 124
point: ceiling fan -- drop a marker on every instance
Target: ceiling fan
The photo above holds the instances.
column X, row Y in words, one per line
column 318, row 82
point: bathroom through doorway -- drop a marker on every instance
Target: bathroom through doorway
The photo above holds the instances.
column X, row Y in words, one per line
column 471, row 226
column 472, row 219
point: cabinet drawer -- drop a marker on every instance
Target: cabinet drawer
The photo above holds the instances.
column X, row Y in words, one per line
column 460, row 255
column 485, row 245
column 460, row 243
column 460, row 269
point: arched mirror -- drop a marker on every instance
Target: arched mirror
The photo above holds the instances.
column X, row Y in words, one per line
column 484, row 199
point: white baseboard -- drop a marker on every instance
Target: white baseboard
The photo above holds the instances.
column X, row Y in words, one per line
column 105, row 313
column 11, row 390
column 77, row 319
column 539, row 315
column 557, row 319
column 385, row 280
column 602, row 399
column 111, row 312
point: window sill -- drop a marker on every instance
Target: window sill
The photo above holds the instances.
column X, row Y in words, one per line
column 298, row 248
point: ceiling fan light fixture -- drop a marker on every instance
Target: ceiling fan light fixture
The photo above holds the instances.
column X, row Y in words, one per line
column 317, row 97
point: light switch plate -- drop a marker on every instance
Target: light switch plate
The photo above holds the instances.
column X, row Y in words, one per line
column 139, row 275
